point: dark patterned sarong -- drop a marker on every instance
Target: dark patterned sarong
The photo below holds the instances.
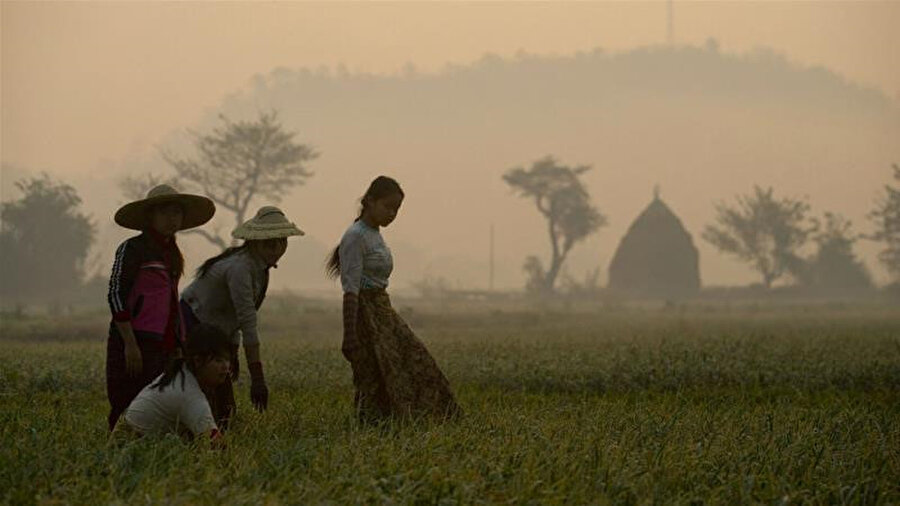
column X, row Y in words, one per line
column 393, row 372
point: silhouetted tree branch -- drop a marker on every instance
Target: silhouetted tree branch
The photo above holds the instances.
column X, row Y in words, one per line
column 763, row 231
column 562, row 198
column 886, row 218
column 242, row 161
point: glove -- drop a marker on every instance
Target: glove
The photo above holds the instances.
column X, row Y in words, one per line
column 235, row 362
column 259, row 392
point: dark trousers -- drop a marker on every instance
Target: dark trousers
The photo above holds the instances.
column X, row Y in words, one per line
column 222, row 401
column 121, row 388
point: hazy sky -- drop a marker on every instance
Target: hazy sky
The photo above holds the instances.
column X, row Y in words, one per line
column 84, row 81
column 89, row 86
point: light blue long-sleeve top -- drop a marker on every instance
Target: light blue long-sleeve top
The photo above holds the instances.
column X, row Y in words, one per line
column 366, row 261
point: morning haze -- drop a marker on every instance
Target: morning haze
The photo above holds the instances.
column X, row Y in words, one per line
column 798, row 96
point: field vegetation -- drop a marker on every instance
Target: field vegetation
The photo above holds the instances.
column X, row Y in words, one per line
column 563, row 403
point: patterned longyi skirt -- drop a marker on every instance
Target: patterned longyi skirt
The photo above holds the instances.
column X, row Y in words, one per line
column 393, row 372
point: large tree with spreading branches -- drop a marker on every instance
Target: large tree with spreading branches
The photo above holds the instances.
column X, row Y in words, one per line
column 886, row 218
column 764, row 231
column 44, row 241
column 561, row 197
column 237, row 164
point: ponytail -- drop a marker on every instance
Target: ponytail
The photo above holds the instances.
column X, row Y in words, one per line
column 173, row 369
column 333, row 260
column 333, row 264
column 177, row 260
column 207, row 265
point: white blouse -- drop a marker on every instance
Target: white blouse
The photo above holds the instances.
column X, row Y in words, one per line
column 366, row 261
column 173, row 410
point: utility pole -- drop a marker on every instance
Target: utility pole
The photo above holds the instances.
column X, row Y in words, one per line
column 491, row 263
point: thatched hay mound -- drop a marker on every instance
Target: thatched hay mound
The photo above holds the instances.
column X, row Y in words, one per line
column 656, row 258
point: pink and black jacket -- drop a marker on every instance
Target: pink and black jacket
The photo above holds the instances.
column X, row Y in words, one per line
column 144, row 290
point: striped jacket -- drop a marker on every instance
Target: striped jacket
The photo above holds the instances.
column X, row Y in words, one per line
column 142, row 291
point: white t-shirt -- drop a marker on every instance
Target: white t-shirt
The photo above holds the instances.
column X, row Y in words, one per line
column 366, row 261
column 172, row 410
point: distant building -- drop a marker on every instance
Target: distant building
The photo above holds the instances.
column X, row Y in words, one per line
column 656, row 258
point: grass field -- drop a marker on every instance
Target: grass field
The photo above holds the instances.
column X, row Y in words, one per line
column 711, row 404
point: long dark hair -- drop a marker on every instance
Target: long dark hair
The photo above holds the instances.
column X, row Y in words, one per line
column 204, row 341
column 381, row 186
column 176, row 258
column 207, row 265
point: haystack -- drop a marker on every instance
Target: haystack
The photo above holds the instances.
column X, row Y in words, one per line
column 656, row 258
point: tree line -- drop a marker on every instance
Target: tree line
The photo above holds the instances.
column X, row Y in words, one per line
column 45, row 237
column 762, row 230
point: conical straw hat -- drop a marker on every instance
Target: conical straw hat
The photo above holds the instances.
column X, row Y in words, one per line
column 269, row 223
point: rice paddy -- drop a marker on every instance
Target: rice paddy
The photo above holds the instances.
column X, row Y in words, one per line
column 563, row 404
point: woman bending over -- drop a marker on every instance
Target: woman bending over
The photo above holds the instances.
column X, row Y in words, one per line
column 228, row 291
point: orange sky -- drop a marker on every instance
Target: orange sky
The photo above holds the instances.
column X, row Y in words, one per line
column 84, row 82
column 88, row 86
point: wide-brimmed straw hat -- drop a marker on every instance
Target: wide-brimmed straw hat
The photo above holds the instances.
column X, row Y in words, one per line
column 269, row 223
column 136, row 215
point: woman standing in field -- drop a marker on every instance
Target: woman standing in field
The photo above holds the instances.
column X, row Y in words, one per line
column 393, row 372
column 146, row 327
column 177, row 400
column 227, row 292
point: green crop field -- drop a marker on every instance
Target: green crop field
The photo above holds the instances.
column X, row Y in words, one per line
column 717, row 404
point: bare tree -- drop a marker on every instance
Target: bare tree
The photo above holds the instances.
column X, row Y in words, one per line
column 240, row 162
column 763, row 231
column 886, row 217
column 562, row 198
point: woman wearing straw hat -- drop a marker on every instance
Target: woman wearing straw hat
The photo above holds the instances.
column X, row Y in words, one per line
column 227, row 291
column 146, row 326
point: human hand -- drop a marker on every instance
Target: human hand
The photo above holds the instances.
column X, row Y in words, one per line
column 134, row 362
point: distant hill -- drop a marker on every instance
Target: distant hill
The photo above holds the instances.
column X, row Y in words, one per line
column 702, row 124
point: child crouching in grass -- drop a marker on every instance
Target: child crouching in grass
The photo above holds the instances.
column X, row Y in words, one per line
column 177, row 401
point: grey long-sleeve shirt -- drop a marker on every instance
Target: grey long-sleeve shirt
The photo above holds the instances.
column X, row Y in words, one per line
column 227, row 295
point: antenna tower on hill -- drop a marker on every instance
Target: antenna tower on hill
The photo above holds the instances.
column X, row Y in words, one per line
column 670, row 32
